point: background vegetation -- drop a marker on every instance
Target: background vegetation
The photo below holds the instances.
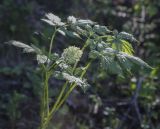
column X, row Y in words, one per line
column 112, row 102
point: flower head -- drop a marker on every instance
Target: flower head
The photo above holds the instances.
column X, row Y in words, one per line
column 71, row 55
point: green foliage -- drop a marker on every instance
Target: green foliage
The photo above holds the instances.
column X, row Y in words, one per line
column 19, row 18
column 112, row 49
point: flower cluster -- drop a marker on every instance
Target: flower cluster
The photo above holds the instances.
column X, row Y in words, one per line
column 78, row 81
column 53, row 20
column 71, row 55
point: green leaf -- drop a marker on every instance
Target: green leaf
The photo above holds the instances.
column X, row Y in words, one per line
column 80, row 30
column 136, row 60
column 107, row 60
column 121, row 45
column 127, row 47
column 82, row 22
column 93, row 54
column 72, row 34
column 127, row 36
column 62, row 32
column 49, row 22
column 124, row 62
column 101, row 30
column 115, row 61
column 26, row 48
column 109, row 64
column 65, row 32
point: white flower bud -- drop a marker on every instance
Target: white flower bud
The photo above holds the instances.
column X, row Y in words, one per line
column 71, row 19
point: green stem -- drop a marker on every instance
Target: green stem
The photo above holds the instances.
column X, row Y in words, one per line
column 53, row 110
column 51, row 43
column 61, row 100
column 104, row 36
column 74, row 67
column 83, row 48
column 46, row 93
column 53, row 66
column 45, row 97
column 73, row 86
column 43, row 105
column 85, row 44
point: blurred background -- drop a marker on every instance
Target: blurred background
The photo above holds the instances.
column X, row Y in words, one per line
column 110, row 102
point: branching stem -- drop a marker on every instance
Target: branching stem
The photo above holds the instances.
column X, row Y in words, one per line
column 62, row 96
